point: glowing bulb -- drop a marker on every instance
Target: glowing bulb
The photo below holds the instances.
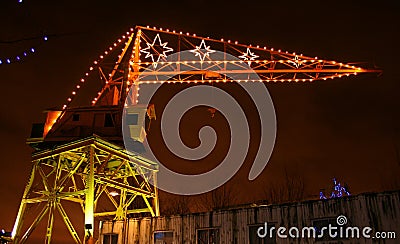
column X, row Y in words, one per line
column 45, row 38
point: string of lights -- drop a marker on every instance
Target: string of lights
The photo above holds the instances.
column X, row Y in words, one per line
column 338, row 191
column 96, row 63
column 25, row 53
column 291, row 60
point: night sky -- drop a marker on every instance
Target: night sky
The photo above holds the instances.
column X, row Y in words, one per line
column 346, row 128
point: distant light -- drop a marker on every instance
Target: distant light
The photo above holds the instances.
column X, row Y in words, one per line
column 45, row 38
column 20, row 1
column 32, row 50
column 114, row 193
column 8, row 61
column 1, row 62
column 25, row 54
column 18, row 58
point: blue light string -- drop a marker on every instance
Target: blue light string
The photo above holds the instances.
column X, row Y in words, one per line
column 21, row 56
column 338, row 191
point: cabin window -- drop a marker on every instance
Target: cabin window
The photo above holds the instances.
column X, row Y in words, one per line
column 163, row 237
column 255, row 239
column 132, row 119
column 75, row 117
column 208, row 236
column 109, row 120
column 110, row 238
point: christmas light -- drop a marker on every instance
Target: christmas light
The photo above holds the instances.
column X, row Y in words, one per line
column 338, row 191
column 21, row 56
column 248, row 56
column 296, row 62
column 91, row 69
column 148, row 52
column 198, row 50
column 157, row 49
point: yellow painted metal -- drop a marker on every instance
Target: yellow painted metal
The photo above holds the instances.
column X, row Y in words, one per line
column 68, row 223
column 49, row 230
column 81, row 172
column 89, row 196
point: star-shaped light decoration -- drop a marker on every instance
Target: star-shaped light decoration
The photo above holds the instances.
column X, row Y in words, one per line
column 202, row 51
column 248, row 56
column 151, row 50
column 296, row 62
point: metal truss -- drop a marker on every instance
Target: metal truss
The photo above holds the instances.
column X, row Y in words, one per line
column 89, row 172
column 144, row 60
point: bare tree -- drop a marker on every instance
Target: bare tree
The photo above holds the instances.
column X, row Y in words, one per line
column 219, row 198
column 175, row 205
column 289, row 189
